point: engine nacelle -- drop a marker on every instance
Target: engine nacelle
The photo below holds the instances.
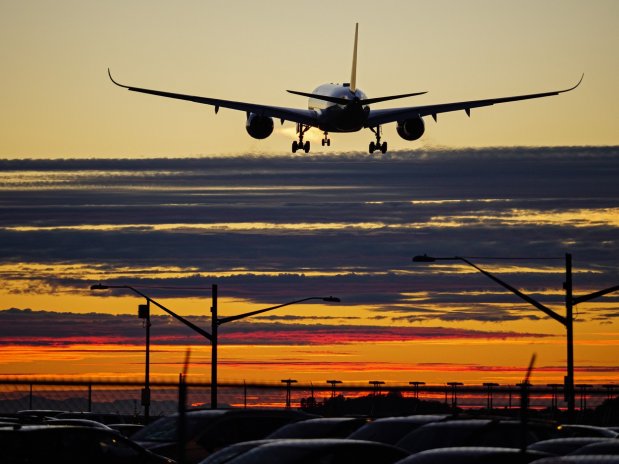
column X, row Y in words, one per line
column 259, row 127
column 411, row 129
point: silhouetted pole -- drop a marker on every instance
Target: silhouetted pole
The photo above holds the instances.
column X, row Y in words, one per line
column 489, row 386
column 214, row 343
column 583, row 395
column 416, row 388
column 144, row 313
column 376, row 384
column 569, row 332
column 333, row 384
column 288, row 383
column 554, row 387
column 454, row 395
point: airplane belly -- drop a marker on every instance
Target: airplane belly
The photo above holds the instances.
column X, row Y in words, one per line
column 338, row 119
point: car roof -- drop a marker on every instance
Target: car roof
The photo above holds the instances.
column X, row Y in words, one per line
column 290, row 450
column 318, row 427
column 565, row 445
column 466, row 454
column 600, row 447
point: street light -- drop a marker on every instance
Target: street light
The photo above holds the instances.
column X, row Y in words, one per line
column 216, row 321
column 567, row 321
column 489, row 386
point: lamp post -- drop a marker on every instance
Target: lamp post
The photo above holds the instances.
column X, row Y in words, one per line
column 144, row 313
column 567, row 321
column 489, row 386
column 216, row 321
column 288, row 383
column 416, row 388
column 333, row 383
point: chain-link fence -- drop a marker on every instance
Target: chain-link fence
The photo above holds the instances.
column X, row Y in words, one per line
column 125, row 397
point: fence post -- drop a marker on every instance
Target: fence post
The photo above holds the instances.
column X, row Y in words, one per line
column 90, row 397
column 30, row 398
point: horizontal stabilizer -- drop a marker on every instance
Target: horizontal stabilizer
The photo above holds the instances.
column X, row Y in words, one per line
column 346, row 101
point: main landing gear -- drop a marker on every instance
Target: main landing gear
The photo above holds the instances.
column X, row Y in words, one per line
column 301, row 130
column 326, row 140
column 382, row 147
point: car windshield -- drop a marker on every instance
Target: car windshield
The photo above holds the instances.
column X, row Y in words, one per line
column 165, row 429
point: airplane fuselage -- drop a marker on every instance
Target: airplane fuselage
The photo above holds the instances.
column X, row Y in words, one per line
column 334, row 117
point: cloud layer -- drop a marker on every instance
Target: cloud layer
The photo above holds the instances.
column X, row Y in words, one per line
column 271, row 229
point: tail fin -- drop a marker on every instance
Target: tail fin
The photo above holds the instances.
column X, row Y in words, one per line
column 353, row 75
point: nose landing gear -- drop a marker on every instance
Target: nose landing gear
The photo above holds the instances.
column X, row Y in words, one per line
column 382, row 147
column 300, row 145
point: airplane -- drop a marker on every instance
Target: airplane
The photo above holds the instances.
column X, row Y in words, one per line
column 341, row 108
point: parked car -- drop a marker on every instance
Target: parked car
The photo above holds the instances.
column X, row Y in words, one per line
column 320, row 427
column 211, row 429
column 563, row 446
column 391, row 429
column 79, row 422
column 126, row 429
column 36, row 416
column 225, row 455
column 44, row 444
column 603, row 447
column 103, row 417
column 473, row 455
column 579, row 430
column 322, row 450
column 583, row 459
column 474, row 432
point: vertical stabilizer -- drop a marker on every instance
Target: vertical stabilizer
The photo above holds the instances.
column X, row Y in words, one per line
column 353, row 74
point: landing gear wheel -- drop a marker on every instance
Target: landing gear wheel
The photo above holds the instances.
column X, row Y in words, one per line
column 299, row 145
column 382, row 147
column 328, row 142
column 323, row 142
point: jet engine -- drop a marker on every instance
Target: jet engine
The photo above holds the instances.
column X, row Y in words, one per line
column 411, row 129
column 259, row 127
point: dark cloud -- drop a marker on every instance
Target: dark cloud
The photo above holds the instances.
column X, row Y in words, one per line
column 29, row 327
column 386, row 208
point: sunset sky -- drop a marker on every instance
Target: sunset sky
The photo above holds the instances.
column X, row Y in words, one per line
column 57, row 99
column 98, row 184
column 269, row 230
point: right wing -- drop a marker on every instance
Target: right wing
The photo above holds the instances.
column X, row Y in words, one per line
column 384, row 116
column 308, row 117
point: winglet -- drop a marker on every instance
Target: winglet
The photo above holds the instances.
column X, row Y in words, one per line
column 353, row 74
column 572, row 88
column 109, row 73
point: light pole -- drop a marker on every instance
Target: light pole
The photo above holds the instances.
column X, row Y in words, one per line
column 333, row 383
column 567, row 321
column 489, row 386
column 144, row 313
column 216, row 321
column 416, row 388
column 288, row 383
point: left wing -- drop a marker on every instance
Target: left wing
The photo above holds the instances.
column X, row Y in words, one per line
column 378, row 117
column 308, row 117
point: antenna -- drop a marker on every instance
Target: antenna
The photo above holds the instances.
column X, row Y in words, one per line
column 353, row 74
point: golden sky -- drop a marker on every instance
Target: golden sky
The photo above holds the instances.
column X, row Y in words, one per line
column 57, row 100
